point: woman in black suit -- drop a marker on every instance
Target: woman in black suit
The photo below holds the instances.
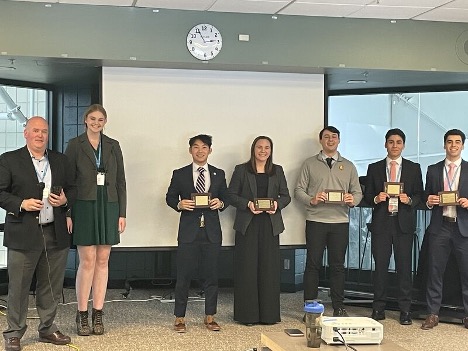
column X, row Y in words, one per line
column 257, row 253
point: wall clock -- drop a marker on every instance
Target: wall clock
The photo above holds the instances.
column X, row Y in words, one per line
column 204, row 41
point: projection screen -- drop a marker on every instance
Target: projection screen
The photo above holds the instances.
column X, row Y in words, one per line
column 154, row 112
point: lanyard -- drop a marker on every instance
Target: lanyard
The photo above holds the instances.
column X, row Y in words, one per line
column 451, row 182
column 46, row 167
column 98, row 158
column 388, row 172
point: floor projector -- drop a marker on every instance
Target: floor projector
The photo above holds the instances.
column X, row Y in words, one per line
column 355, row 330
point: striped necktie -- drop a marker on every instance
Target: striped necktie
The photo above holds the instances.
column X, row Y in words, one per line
column 200, row 186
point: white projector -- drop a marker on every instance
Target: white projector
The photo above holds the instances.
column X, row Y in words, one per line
column 355, row 330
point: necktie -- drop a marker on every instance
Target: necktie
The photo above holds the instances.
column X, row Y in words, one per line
column 393, row 166
column 392, row 207
column 329, row 161
column 200, row 186
column 449, row 178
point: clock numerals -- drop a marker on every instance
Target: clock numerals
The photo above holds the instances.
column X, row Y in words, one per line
column 204, row 42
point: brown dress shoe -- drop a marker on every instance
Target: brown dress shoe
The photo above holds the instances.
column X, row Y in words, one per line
column 56, row 338
column 431, row 321
column 465, row 322
column 211, row 324
column 12, row 344
column 179, row 325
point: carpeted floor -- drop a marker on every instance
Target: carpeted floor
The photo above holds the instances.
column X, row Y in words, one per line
column 144, row 322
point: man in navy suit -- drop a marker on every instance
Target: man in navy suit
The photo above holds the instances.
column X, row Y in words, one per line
column 199, row 237
column 448, row 229
column 393, row 223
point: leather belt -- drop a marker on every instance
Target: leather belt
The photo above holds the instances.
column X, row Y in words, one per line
column 449, row 219
column 393, row 214
column 46, row 224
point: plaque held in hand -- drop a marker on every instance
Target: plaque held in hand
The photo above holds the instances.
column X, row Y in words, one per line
column 202, row 200
column 448, row 198
column 264, row 204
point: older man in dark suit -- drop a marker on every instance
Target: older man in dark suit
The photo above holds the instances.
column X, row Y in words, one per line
column 199, row 239
column 393, row 222
column 448, row 229
column 34, row 191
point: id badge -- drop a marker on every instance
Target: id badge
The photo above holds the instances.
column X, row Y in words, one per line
column 45, row 193
column 393, row 204
column 101, row 178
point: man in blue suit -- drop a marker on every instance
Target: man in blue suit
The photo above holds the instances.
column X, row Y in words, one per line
column 199, row 238
column 448, row 229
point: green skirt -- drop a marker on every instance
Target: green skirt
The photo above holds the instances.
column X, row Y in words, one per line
column 96, row 222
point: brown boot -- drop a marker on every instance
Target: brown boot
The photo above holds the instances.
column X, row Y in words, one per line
column 98, row 326
column 82, row 325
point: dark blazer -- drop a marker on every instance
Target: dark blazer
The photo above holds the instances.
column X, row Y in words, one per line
column 18, row 181
column 413, row 187
column 243, row 188
column 181, row 188
column 81, row 156
column 434, row 184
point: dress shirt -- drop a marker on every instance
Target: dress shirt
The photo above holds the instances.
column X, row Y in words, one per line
column 451, row 211
column 42, row 165
column 324, row 158
column 196, row 173
column 398, row 161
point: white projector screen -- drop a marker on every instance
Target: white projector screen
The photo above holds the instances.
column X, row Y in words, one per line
column 154, row 112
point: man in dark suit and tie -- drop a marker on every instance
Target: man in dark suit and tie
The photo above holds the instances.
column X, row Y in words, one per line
column 393, row 222
column 199, row 237
column 448, row 229
column 34, row 191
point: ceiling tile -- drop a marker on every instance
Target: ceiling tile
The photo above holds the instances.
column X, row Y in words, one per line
column 457, row 4
column 338, row 2
column 98, row 2
column 307, row 9
column 249, row 6
column 413, row 3
column 389, row 12
column 445, row 15
column 197, row 5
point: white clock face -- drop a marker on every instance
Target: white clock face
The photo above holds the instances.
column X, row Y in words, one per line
column 204, row 41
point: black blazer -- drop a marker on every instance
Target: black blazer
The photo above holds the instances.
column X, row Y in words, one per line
column 243, row 188
column 181, row 188
column 81, row 155
column 413, row 187
column 18, row 181
column 434, row 184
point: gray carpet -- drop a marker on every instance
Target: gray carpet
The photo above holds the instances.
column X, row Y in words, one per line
column 143, row 322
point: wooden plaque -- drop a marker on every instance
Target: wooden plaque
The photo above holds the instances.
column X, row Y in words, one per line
column 334, row 196
column 393, row 188
column 202, row 200
column 264, row 204
column 448, row 198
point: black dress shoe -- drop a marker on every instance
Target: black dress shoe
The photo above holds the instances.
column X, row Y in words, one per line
column 12, row 344
column 405, row 318
column 56, row 338
column 378, row 315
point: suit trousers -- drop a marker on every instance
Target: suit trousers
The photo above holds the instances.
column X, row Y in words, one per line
column 333, row 236
column 441, row 244
column 385, row 234
column 49, row 265
column 203, row 255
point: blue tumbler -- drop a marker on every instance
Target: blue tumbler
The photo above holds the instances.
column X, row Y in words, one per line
column 313, row 311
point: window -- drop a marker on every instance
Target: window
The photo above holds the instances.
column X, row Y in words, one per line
column 363, row 121
column 17, row 104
